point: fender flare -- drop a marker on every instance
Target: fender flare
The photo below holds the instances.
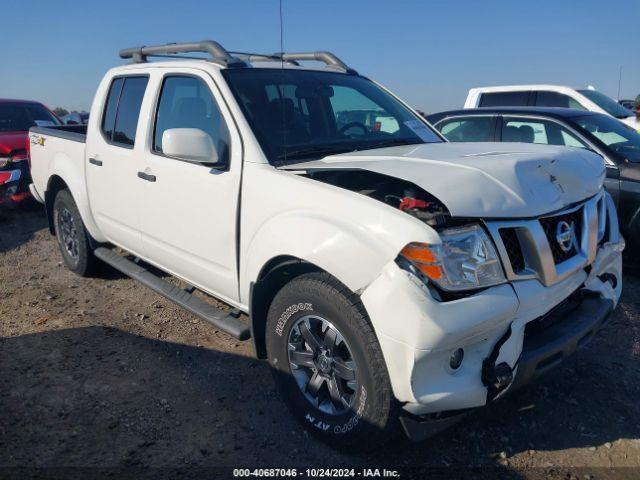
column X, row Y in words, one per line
column 61, row 166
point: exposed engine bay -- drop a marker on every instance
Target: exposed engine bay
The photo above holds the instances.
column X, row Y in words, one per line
column 395, row 192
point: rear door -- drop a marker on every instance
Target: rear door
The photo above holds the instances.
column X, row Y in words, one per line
column 189, row 211
column 113, row 160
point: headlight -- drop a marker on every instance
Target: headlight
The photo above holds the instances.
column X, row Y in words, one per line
column 465, row 260
column 4, row 161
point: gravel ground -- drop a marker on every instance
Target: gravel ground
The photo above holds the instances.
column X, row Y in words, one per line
column 102, row 372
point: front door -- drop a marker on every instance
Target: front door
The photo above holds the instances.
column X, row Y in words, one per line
column 188, row 210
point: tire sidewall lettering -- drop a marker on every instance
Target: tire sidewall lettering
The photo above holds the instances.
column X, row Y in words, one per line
column 326, row 426
column 355, row 419
column 289, row 312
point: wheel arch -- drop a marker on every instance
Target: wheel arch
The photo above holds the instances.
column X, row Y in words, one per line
column 274, row 275
column 63, row 176
column 55, row 184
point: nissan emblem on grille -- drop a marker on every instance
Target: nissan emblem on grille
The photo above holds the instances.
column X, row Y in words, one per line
column 565, row 235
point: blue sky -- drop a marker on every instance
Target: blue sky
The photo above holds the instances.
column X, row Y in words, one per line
column 429, row 52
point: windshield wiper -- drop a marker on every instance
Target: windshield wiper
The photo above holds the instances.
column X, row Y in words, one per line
column 388, row 143
column 321, row 150
column 324, row 150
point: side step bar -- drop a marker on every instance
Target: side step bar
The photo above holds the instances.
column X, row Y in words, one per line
column 221, row 319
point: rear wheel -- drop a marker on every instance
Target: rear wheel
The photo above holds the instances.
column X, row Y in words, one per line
column 72, row 236
column 328, row 365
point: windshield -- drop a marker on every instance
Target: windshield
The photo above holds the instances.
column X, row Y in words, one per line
column 304, row 114
column 608, row 104
column 615, row 135
column 19, row 117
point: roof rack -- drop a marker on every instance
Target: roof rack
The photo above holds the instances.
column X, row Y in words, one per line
column 219, row 55
column 216, row 51
column 327, row 58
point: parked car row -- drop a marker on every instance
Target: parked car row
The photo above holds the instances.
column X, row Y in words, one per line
column 550, row 96
column 76, row 118
column 630, row 105
column 618, row 144
column 390, row 278
column 16, row 117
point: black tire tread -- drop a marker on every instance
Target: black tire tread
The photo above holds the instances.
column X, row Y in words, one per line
column 87, row 263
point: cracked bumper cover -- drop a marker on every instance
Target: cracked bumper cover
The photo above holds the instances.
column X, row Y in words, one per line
column 418, row 334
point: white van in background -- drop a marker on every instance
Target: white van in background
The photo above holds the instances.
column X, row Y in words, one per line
column 550, row 96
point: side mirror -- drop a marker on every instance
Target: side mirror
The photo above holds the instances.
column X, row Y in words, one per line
column 190, row 144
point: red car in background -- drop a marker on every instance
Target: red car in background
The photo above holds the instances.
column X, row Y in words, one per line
column 16, row 117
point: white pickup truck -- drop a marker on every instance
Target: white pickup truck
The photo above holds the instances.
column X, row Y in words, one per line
column 390, row 278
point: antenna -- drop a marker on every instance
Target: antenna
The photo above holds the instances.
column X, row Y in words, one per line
column 281, row 36
column 619, row 81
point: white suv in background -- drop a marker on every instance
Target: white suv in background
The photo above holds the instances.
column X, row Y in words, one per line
column 550, row 96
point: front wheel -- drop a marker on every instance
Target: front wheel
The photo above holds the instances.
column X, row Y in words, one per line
column 328, row 365
column 72, row 236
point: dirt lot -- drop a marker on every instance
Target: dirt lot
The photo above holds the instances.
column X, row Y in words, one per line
column 104, row 373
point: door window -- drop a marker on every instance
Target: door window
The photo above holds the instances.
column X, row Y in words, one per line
column 555, row 99
column 525, row 130
column 120, row 119
column 187, row 102
column 109, row 117
column 504, row 99
column 469, row 129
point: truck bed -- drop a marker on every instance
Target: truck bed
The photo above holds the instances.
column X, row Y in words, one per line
column 77, row 133
column 58, row 151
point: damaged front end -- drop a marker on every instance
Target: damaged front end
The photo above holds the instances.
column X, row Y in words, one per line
column 510, row 286
column 395, row 192
column 553, row 302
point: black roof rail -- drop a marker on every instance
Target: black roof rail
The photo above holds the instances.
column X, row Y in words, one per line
column 216, row 51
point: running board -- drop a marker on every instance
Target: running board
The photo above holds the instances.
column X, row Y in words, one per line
column 225, row 321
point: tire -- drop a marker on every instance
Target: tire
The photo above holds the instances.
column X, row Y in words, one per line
column 72, row 236
column 366, row 414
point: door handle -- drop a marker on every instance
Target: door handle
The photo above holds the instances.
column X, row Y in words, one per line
column 146, row 176
column 95, row 162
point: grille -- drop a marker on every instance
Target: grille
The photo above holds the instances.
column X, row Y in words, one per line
column 550, row 227
column 514, row 250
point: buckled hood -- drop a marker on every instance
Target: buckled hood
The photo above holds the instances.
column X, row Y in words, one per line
column 490, row 180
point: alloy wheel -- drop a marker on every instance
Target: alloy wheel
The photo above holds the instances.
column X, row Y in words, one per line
column 322, row 364
column 68, row 233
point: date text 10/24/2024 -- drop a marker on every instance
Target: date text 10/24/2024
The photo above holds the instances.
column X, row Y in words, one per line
column 316, row 473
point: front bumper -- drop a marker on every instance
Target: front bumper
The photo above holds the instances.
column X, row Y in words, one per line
column 546, row 348
column 16, row 185
column 418, row 334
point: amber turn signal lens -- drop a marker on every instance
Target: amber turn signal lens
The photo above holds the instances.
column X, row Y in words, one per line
column 418, row 253
column 432, row 271
column 423, row 259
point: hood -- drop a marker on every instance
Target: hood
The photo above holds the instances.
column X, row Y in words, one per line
column 490, row 180
column 632, row 121
column 10, row 141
